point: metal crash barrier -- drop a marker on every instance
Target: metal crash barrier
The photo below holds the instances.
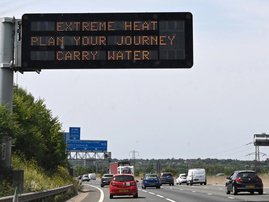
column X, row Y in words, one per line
column 42, row 195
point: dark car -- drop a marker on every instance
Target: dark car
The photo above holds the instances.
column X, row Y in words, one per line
column 151, row 180
column 167, row 178
column 106, row 179
column 244, row 181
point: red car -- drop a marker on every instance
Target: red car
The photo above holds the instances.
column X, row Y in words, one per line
column 123, row 184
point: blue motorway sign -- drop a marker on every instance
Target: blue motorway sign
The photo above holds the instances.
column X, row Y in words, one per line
column 87, row 145
column 74, row 133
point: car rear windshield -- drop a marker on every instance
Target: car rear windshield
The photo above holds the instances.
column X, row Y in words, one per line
column 166, row 174
column 108, row 176
column 151, row 177
column 123, row 178
column 247, row 174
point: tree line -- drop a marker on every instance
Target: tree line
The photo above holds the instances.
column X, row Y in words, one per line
column 36, row 134
column 213, row 166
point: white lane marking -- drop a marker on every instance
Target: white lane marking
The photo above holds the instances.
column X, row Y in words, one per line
column 193, row 191
column 158, row 195
column 170, row 200
column 101, row 193
column 210, row 194
column 143, row 190
column 230, row 197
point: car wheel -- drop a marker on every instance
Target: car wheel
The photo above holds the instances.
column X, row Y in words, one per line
column 158, row 187
column 136, row 195
column 235, row 190
column 102, row 185
column 261, row 192
column 110, row 196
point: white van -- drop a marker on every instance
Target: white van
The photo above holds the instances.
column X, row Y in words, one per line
column 196, row 176
column 92, row 176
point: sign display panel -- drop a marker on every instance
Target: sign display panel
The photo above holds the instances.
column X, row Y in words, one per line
column 106, row 40
column 261, row 140
column 87, row 145
column 74, row 133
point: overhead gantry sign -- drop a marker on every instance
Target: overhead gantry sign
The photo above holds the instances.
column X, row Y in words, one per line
column 106, row 40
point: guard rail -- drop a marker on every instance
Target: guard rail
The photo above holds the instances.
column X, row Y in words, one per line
column 41, row 195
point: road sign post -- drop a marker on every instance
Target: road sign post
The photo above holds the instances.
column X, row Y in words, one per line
column 6, row 61
column 6, row 81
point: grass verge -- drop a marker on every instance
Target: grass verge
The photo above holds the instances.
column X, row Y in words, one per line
column 37, row 179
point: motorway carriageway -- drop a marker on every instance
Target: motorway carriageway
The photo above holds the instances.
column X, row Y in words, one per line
column 178, row 193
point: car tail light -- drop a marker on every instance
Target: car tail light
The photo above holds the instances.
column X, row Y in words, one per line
column 133, row 183
column 238, row 180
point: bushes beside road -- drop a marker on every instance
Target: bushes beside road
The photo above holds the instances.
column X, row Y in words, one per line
column 38, row 145
column 36, row 178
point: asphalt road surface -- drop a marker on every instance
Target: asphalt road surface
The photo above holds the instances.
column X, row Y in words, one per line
column 178, row 193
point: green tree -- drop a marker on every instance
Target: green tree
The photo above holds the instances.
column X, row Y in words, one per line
column 150, row 168
column 40, row 136
column 8, row 125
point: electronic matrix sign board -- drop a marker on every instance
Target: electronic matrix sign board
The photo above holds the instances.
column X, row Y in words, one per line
column 106, row 40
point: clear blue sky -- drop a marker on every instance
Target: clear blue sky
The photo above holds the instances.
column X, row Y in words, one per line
column 209, row 111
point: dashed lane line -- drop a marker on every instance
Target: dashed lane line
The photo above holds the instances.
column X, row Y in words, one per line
column 170, row 200
column 160, row 196
column 230, row 197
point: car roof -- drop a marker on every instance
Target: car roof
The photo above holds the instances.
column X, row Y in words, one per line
column 244, row 171
column 123, row 174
